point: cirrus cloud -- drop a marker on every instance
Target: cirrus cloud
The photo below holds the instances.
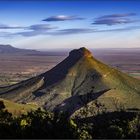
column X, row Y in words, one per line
column 117, row 15
column 36, row 29
column 32, row 30
column 73, row 31
column 4, row 26
column 62, row 18
column 31, row 27
column 115, row 19
column 66, row 31
column 39, row 27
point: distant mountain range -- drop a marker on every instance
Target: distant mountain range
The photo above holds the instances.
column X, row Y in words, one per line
column 8, row 49
column 78, row 80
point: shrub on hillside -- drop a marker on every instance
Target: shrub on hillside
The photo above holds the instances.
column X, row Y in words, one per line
column 44, row 124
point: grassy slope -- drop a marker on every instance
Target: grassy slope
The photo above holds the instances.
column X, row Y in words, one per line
column 18, row 109
column 123, row 87
column 77, row 80
column 125, row 90
column 22, row 89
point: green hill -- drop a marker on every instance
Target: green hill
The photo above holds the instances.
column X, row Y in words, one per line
column 18, row 109
column 68, row 85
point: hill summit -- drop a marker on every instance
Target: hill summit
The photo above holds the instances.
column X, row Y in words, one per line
column 82, row 52
column 78, row 80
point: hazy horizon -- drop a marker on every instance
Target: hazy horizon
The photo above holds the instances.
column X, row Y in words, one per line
column 60, row 49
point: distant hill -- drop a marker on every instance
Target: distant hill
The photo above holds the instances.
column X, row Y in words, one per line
column 78, row 80
column 8, row 49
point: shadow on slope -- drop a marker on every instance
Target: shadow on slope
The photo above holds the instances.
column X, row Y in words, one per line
column 75, row 102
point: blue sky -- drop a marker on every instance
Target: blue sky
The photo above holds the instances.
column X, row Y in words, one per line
column 42, row 24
